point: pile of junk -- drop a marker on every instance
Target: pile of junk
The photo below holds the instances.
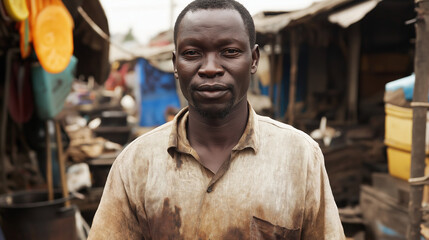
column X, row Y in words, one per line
column 59, row 134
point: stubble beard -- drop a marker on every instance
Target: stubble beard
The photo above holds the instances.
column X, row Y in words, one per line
column 215, row 114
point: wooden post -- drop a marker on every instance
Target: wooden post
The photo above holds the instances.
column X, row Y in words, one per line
column 354, row 37
column 272, row 69
column 279, row 84
column 49, row 180
column 3, row 123
column 421, row 87
column 61, row 163
column 294, row 55
column 279, row 72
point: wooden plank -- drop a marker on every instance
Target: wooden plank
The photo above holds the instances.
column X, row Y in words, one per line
column 383, row 217
column 396, row 188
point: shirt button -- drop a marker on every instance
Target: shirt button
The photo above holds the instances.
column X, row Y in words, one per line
column 209, row 189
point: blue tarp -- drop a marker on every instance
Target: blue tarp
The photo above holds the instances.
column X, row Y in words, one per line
column 157, row 93
column 406, row 84
column 284, row 91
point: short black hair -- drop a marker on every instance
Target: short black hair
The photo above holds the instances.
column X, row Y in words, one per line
column 219, row 4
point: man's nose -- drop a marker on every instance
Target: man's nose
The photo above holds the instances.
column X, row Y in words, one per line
column 211, row 67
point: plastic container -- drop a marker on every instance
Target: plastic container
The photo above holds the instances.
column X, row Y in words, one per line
column 398, row 128
column 51, row 90
column 399, row 163
column 398, row 138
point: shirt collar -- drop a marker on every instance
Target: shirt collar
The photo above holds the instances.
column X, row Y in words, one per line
column 250, row 138
column 178, row 139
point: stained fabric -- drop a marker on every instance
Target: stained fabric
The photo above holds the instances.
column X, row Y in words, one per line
column 273, row 187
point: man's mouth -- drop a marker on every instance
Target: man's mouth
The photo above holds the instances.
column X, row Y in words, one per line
column 211, row 87
column 211, row 91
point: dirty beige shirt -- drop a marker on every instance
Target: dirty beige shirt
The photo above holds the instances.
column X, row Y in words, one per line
column 274, row 187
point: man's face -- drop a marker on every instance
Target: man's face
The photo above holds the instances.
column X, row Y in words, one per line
column 214, row 60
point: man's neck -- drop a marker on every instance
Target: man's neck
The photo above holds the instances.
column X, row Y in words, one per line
column 219, row 133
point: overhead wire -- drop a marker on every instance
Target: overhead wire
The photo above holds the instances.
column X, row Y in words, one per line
column 100, row 31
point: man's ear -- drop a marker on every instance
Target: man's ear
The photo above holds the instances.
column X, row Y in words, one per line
column 255, row 59
column 176, row 76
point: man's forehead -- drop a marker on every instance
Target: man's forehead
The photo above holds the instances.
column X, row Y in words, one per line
column 227, row 10
column 205, row 17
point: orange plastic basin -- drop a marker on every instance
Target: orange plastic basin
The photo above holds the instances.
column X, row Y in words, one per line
column 53, row 38
column 17, row 9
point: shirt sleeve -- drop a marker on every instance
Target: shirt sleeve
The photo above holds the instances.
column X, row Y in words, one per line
column 321, row 217
column 116, row 216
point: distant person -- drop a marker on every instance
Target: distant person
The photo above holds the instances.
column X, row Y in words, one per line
column 170, row 113
column 218, row 170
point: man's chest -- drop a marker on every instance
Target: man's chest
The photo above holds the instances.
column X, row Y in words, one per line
column 191, row 201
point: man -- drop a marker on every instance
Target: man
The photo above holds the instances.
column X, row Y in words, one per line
column 218, row 170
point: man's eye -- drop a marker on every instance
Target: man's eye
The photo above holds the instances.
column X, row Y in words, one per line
column 190, row 53
column 231, row 52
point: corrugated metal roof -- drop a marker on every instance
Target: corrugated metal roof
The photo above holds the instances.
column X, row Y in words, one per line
column 348, row 16
column 274, row 24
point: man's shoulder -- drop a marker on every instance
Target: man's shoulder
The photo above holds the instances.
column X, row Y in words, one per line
column 158, row 132
column 276, row 128
column 135, row 158
column 155, row 138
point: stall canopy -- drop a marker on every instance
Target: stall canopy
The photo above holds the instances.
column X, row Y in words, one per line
column 158, row 56
column 350, row 15
column 342, row 12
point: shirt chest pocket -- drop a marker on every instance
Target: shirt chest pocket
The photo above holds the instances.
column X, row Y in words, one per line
column 264, row 230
